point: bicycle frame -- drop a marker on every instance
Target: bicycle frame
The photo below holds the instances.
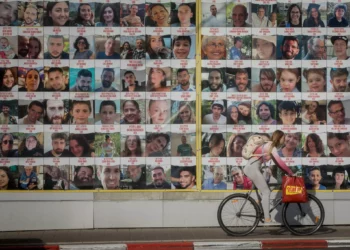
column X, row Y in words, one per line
column 277, row 202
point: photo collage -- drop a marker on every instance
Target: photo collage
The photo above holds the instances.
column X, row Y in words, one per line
column 152, row 94
column 97, row 95
column 269, row 66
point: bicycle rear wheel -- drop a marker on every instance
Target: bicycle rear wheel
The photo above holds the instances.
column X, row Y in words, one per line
column 303, row 218
column 238, row 214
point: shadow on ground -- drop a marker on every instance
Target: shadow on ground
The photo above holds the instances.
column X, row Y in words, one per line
column 324, row 230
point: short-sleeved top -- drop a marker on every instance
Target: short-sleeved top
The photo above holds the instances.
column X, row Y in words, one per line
column 184, row 150
column 101, row 24
column 179, row 25
column 256, row 22
column 83, row 55
column 223, row 89
column 235, row 54
column 333, row 22
column 274, row 122
column 296, row 153
column 212, row 21
column 288, row 24
column 208, row 119
column 138, row 54
column 64, row 55
column 102, row 55
column 178, row 88
column 311, row 23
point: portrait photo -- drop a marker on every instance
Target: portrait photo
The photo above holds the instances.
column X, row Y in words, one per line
column 82, row 14
column 30, row 177
column 183, row 112
column 107, row 145
column 158, row 14
column 239, row 15
column 9, row 112
column 158, row 177
column 183, row 15
column 158, row 79
column 8, row 47
column 183, row 145
column 132, row 15
column 56, row 79
column 56, row 145
column 264, row 16
column 81, row 80
column 30, row 14
column 133, row 80
column 107, row 47
column 133, row 111
column 56, row 177
column 9, row 79
column 81, row 112
column 239, row 47
column 82, row 47
column 213, row 144
column 107, row 112
column 31, row 144
column 314, row 112
column 107, row 14
column 31, row 79
column 132, row 145
column 82, row 145
column 213, row 15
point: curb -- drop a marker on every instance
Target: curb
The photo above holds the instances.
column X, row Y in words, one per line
column 161, row 246
column 294, row 244
column 338, row 243
column 94, row 247
column 227, row 245
column 33, row 247
column 231, row 245
column 273, row 244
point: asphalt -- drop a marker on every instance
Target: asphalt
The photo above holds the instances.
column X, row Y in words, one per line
column 215, row 234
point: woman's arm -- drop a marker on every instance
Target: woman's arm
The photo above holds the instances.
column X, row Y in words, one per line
column 278, row 161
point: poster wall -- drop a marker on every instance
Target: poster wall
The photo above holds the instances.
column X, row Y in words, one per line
column 275, row 65
column 122, row 95
column 97, row 95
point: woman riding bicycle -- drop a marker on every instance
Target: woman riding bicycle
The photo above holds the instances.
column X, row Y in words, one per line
column 261, row 155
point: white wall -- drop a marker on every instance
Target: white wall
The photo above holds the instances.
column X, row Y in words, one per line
column 44, row 211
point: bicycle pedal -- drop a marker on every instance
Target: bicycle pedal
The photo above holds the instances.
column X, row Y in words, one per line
column 317, row 219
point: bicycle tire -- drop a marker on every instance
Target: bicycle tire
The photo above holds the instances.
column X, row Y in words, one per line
column 306, row 223
column 232, row 228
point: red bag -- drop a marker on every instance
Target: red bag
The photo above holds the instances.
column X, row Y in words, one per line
column 294, row 190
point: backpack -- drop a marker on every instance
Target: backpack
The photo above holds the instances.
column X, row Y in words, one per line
column 252, row 144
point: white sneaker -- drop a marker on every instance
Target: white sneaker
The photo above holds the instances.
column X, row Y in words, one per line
column 272, row 223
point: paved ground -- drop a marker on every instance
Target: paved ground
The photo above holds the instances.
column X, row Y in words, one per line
column 160, row 235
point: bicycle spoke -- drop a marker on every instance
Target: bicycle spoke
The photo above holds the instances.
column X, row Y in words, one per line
column 304, row 218
column 237, row 215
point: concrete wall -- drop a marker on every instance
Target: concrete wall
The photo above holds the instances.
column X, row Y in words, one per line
column 43, row 211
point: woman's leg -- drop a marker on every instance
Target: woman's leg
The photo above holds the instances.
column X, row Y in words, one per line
column 252, row 170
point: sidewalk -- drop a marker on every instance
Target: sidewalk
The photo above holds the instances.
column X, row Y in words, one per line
column 174, row 238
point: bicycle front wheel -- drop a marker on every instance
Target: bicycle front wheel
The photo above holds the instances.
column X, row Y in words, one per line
column 303, row 218
column 238, row 214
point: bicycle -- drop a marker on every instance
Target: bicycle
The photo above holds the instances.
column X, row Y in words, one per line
column 299, row 218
